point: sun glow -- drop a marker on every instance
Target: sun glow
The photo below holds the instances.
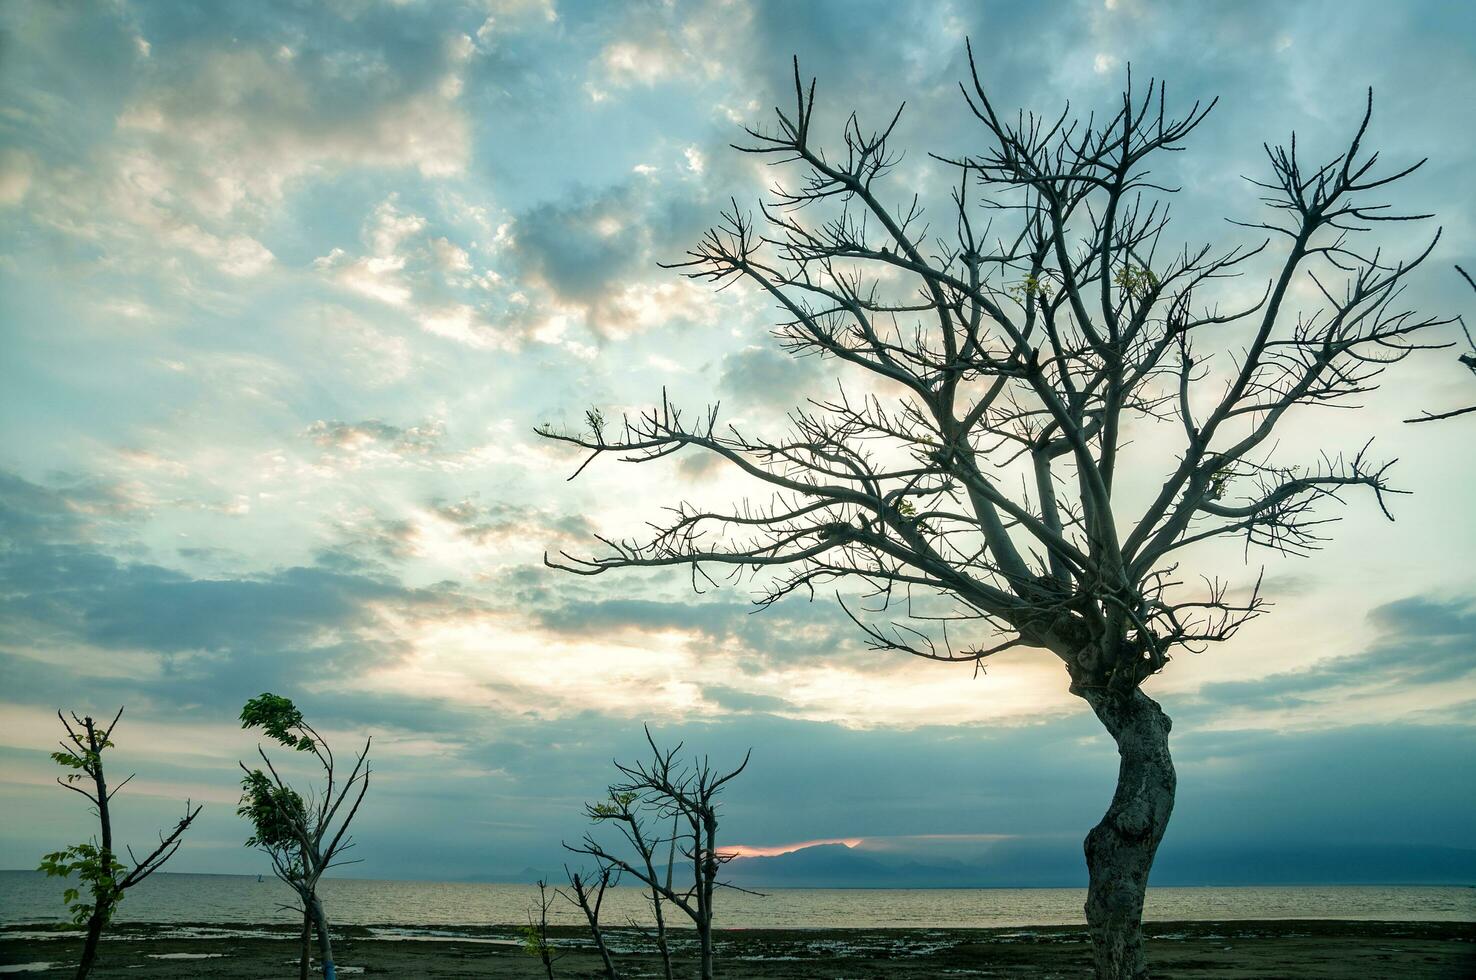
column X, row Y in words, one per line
column 760, row 851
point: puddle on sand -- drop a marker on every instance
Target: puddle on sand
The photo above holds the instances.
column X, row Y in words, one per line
column 406, row 935
column 184, row 956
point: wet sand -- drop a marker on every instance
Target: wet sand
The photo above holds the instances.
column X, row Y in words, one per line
column 1300, row 949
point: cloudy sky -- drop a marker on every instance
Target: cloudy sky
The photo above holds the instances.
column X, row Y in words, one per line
column 285, row 288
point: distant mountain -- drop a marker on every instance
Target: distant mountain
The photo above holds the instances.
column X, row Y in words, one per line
column 1317, row 864
column 1026, row 864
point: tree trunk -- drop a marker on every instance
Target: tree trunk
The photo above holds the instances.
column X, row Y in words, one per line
column 599, row 938
column 661, row 943
column 325, row 945
column 95, row 924
column 1120, row 849
column 102, row 909
column 704, row 936
column 306, row 958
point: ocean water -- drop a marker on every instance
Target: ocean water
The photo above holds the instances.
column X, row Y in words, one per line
column 29, row 897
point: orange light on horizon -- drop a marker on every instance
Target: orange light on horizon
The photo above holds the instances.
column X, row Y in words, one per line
column 752, row 850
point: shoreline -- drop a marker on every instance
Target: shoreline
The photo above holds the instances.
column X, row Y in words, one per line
column 1333, row 949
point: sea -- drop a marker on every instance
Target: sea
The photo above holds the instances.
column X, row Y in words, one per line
column 28, row 897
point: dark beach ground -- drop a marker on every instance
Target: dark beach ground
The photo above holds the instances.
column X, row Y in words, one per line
column 1301, row 949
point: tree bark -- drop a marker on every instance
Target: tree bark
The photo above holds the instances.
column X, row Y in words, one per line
column 599, row 937
column 325, row 945
column 661, row 943
column 1120, row 849
column 704, row 936
column 592, row 916
column 305, row 961
column 95, row 923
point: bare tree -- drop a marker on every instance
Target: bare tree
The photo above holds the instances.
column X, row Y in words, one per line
column 1468, row 360
column 589, row 896
column 687, row 796
column 1005, row 362
column 304, row 834
column 95, row 863
column 628, row 810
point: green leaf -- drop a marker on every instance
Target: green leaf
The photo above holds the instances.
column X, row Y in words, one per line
column 96, row 870
column 276, row 813
column 278, row 717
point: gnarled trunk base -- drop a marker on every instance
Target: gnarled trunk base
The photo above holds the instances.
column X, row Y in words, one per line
column 1120, row 849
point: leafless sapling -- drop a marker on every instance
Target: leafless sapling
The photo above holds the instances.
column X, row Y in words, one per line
column 588, row 894
column 654, row 851
column 96, row 863
column 304, row 834
column 686, row 794
column 1005, row 363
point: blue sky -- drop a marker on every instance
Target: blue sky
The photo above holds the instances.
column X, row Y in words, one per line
column 285, row 288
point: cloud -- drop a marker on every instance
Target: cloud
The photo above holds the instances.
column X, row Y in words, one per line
column 379, row 538
column 653, row 46
column 16, row 167
column 1421, row 651
column 287, row 286
column 378, row 275
column 31, row 513
column 790, row 631
column 596, row 254
column 766, row 375
column 215, row 129
column 272, row 114
column 67, row 601
column 410, row 266
column 483, row 708
column 372, row 439
column 368, row 354
column 504, row 522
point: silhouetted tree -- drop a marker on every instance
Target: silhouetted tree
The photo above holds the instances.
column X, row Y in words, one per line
column 686, row 794
column 1005, row 364
column 304, row 835
column 1467, row 359
column 95, row 863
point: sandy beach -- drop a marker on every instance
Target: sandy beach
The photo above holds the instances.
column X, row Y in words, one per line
column 1300, row 949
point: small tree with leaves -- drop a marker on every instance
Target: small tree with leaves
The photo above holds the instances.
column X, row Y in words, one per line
column 304, row 834
column 275, row 813
column 654, row 793
column 535, row 934
column 95, row 863
column 1001, row 371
